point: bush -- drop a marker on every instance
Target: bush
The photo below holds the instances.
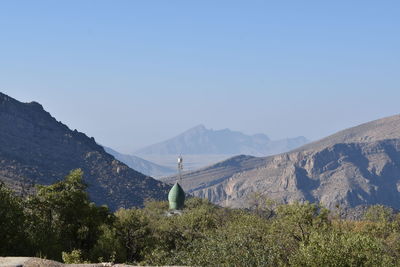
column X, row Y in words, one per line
column 59, row 222
column 74, row 257
column 341, row 249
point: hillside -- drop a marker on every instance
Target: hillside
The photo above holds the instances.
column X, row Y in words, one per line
column 37, row 149
column 141, row 165
column 357, row 166
column 201, row 147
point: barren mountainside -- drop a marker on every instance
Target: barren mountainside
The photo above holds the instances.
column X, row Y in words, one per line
column 357, row 166
column 36, row 148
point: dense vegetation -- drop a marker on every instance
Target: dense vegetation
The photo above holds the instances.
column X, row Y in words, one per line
column 60, row 223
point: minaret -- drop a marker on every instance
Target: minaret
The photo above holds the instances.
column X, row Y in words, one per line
column 176, row 196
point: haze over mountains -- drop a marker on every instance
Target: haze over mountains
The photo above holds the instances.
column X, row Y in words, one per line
column 201, row 146
column 141, row 165
column 357, row 166
column 36, row 148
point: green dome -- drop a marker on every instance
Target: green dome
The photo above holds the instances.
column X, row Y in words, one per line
column 176, row 197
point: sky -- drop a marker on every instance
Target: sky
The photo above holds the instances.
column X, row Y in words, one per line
column 132, row 73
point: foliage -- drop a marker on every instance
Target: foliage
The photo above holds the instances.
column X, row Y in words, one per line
column 262, row 205
column 61, row 218
column 243, row 241
column 378, row 213
column 299, row 220
column 59, row 222
column 75, row 256
column 12, row 223
column 133, row 230
column 109, row 247
column 341, row 249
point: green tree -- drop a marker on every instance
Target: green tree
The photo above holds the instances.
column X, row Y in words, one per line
column 300, row 219
column 172, row 235
column 333, row 248
column 379, row 221
column 261, row 205
column 109, row 246
column 243, row 241
column 133, row 230
column 63, row 219
column 12, row 223
column 379, row 214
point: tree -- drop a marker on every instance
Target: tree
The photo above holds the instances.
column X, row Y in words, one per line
column 300, row 219
column 63, row 219
column 12, row 223
column 261, row 205
column 379, row 214
column 334, row 248
column 244, row 241
column 109, row 246
column 133, row 230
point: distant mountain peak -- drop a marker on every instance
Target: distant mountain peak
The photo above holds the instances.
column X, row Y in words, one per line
column 197, row 129
column 356, row 166
column 262, row 136
column 200, row 140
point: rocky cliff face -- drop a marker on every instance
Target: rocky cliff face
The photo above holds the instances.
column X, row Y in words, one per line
column 35, row 148
column 357, row 166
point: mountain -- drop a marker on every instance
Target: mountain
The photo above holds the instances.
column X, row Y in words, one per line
column 201, row 146
column 357, row 166
column 144, row 166
column 36, row 148
column 200, row 140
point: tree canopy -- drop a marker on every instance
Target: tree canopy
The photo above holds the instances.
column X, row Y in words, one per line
column 59, row 222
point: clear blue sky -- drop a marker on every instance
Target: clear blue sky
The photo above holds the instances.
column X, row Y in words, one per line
column 131, row 73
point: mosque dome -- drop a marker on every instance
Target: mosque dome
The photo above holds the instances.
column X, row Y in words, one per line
column 176, row 197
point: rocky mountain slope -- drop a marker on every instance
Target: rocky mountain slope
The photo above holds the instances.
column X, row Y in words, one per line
column 36, row 148
column 144, row 166
column 201, row 146
column 357, row 166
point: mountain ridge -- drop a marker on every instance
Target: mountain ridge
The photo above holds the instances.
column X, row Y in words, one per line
column 200, row 140
column 202, row 147
column 356, row 166
column 369, row 128
column 37, row 148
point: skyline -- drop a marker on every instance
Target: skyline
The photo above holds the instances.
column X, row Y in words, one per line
column 132, row 74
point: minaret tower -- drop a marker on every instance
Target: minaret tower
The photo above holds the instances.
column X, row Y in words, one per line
column 176, row 196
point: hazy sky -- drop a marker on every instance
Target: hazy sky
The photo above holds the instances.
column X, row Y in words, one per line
column 131, row 73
